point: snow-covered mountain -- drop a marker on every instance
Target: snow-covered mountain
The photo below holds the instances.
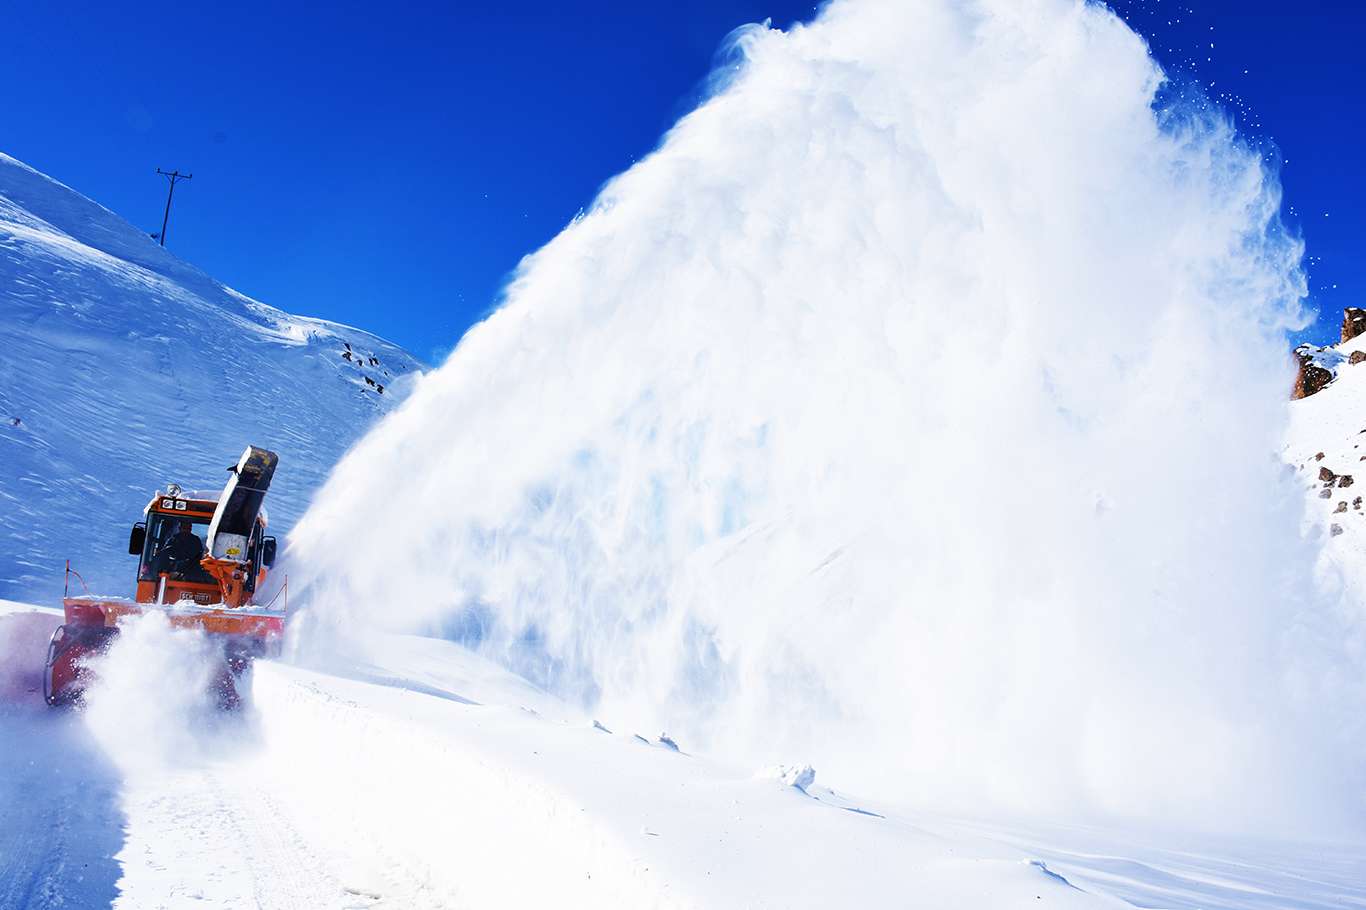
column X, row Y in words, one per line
column 1326, row 447
column 124, row 368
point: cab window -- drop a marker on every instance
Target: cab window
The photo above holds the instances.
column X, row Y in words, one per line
column 175, row 544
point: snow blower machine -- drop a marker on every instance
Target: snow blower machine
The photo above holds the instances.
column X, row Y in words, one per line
column 202, row 557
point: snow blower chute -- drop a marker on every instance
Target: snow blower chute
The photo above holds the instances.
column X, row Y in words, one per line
column 202, row 557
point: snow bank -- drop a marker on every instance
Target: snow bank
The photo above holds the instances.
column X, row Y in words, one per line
column 911, row 410
column 798, row 776
column 24, row 636
column 449, row 803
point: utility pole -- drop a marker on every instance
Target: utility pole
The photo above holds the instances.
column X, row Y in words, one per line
column 172, row 176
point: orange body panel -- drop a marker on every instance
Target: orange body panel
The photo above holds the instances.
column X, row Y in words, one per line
column 231, row 579
column 214, row 620
column 178, row 590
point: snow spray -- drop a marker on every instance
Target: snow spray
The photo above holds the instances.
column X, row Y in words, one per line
column 910, row 411
column 152, row 705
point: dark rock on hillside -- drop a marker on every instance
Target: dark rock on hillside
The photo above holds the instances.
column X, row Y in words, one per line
column 1353, row 323
column 1311, row 377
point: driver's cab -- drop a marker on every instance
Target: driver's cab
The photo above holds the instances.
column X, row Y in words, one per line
column 172, row 540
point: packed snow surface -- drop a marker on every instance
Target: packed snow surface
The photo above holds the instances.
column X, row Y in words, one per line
column 914, row 410
column 125, row 368
column 416, row 774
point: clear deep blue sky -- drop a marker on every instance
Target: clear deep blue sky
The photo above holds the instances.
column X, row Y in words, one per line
column 387, row 165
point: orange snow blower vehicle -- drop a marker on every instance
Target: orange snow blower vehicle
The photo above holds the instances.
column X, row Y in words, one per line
column 202, row 557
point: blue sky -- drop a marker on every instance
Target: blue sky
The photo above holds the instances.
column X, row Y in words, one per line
column 387, row 166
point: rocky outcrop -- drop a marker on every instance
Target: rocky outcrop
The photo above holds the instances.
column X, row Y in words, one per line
column 1318, row 366
column 1312, row 376
column 1353, row 322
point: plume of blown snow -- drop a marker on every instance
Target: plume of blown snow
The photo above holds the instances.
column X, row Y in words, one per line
column 911, row 409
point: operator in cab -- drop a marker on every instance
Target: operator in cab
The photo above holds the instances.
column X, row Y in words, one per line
column 184, row 550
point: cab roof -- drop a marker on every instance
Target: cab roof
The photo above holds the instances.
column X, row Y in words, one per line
column 194, row 501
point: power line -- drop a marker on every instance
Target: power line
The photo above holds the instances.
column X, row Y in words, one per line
column 172, row 176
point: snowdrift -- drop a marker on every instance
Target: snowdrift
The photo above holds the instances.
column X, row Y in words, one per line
column 125, row 368
column 912, row 410
column 418, row 774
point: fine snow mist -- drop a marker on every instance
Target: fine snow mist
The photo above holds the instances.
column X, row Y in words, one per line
column 912, row 412
column 153, row 705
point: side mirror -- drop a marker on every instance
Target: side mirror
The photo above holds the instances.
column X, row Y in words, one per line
column 268, row 552
column 136, row 538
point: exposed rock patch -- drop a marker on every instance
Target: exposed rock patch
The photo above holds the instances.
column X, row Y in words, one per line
column 1353, row 323
column 1313, row 376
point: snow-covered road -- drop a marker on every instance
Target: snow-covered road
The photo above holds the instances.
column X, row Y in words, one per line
column 421, row 776
column 61, row 819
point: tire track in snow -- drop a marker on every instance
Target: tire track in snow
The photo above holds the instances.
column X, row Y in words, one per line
column 216, row 837
column 60, row 823
column 31, row 858
column 59, row 819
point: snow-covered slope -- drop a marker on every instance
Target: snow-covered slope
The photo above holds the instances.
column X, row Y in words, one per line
column 416, row 774
column 1326, row 447
column 122, row 368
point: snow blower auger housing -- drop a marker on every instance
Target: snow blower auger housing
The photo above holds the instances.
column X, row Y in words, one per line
column 202, row 558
